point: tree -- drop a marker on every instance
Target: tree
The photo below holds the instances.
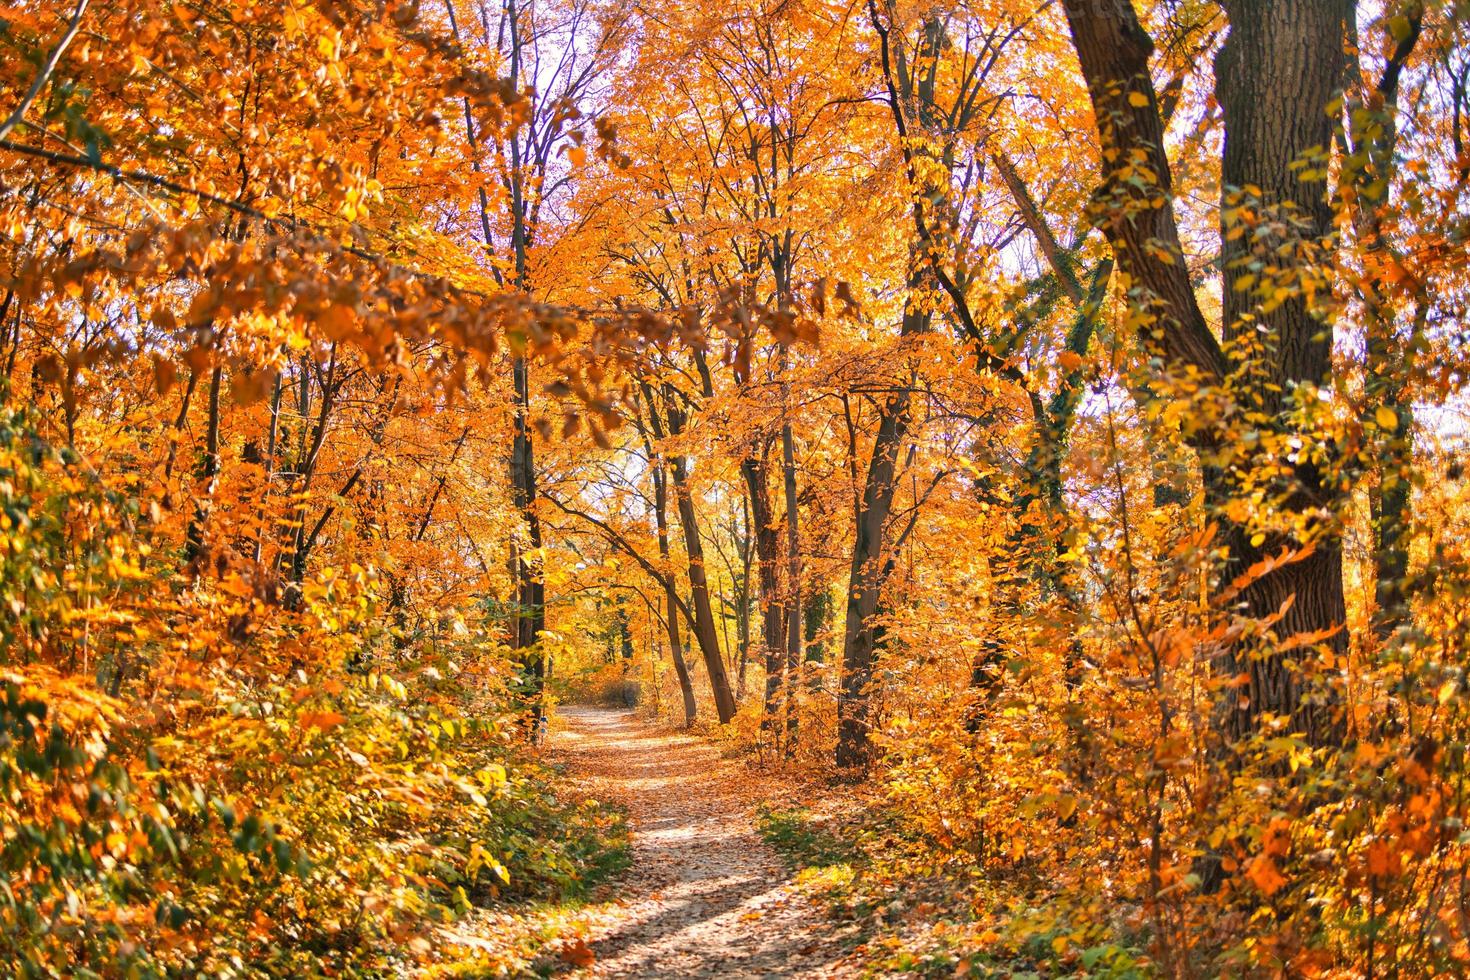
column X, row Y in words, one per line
column 1277, row 74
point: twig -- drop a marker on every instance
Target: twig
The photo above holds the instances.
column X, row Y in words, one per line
column 46, row 71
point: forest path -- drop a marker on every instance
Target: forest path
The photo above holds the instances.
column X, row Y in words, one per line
column 704, row 896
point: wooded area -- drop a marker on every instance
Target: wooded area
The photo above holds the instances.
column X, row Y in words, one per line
column 1043, row 423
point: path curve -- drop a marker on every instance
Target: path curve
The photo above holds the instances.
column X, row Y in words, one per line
column 704, row 896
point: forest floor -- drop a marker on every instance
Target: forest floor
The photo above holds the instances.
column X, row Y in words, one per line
column 704, row 896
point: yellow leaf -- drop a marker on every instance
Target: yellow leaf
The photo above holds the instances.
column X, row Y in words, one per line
column 1137, row 99
column 1386, row 418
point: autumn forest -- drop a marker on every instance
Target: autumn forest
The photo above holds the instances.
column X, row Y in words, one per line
column 814, row 488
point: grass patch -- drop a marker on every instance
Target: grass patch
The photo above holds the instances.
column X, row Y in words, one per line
column 803, row 841
column 566, row 852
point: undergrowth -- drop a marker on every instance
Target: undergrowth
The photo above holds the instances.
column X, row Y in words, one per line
column 913, row 915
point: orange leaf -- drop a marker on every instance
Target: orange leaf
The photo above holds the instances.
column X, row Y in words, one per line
column 323, row 720
column 578, row 953
column 1264, row 874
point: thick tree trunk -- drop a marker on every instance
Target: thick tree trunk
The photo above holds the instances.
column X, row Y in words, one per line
column 1276, row 76
column 1280, row 68
column 865, row 586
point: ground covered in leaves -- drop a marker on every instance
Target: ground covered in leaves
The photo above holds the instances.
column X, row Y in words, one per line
column 705, row 896
column 702, row 894
column 728, row 870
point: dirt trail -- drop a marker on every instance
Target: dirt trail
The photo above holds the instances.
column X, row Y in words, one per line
column 704, row 897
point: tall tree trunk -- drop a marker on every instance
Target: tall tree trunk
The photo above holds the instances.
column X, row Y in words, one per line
column 1280, row 68
column 704, row 618
column 742, row 596
column 306, row 464
column 530, row 587
column 766, row 535
column 269, row 465
column 792, row 669
column 176, row 435
column 870, row 566
column 1373, row 130
column 817, row 615
column 671, row 601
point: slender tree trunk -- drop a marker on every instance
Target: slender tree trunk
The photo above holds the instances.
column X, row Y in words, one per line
column 526, row 566
column 676, row 648
column 530, row 588
column 704, row 619
column 269, row 464
column 208, row 473
column 306, row 469
column 671, row 599
column 177, row 434
column 870, row 567
column 793, row 577
column 766, row 536
column 742, row 598
column 1373, row 129
column 817, row 613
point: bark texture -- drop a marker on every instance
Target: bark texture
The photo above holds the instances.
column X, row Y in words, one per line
column 1277, row 74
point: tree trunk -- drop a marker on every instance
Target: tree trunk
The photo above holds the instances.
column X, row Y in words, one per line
column 1281, row 66
column 817, row 613
column 870, row 567
column 671, row 601
column 269, row 464
column 767, row 549
column 530, row 589
column 704, row 618
column 208, row 472
column 793, row 577
column 1373, row 129
column 742, row 609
